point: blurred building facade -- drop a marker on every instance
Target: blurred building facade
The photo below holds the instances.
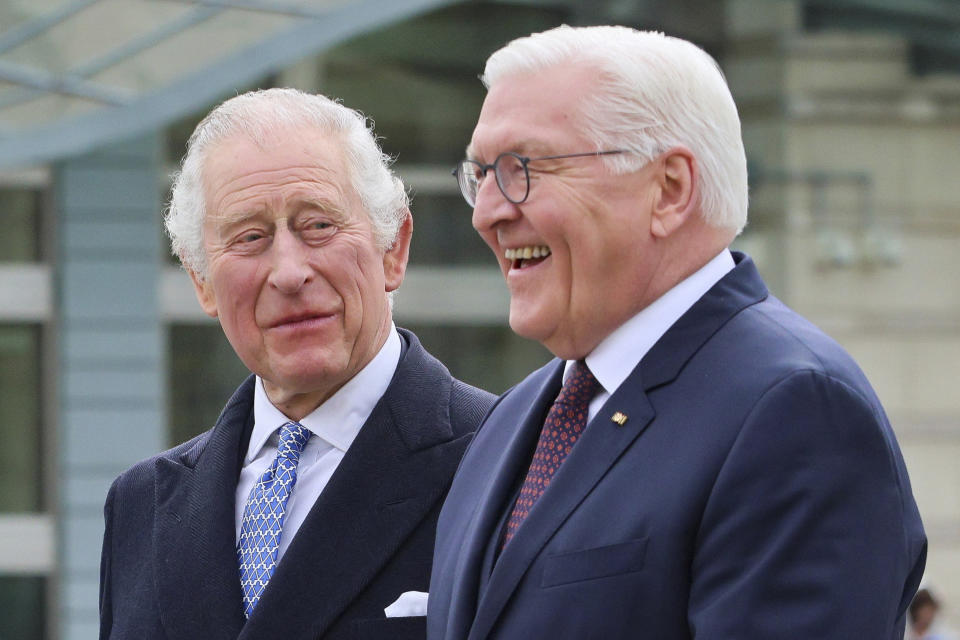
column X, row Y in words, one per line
column 852, row 124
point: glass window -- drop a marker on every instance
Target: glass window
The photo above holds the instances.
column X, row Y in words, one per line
column 443, row 233
column 492, row 358
column 418, row 78
column 22, row 607
column 204, row 373
column 20, row 421
column 20, row 212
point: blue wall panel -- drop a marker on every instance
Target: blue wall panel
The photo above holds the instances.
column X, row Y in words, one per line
column 111, row 350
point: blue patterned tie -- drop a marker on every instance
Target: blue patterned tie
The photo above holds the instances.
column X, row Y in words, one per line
column 263, row 515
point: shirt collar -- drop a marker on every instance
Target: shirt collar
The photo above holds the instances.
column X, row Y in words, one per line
column 637, row 335
column 339, row 419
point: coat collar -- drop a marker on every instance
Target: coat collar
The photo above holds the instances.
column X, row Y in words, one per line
column 475, row 506
column 396, row 470
column 739, row 289
column 193, row 535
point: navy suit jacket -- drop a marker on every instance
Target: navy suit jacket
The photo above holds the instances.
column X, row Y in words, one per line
column 169, row 567
column 754, row 492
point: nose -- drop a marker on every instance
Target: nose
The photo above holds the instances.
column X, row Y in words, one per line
column 290, row 269
column 492, row 207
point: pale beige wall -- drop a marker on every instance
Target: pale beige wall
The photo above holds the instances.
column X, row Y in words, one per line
column 846, row 103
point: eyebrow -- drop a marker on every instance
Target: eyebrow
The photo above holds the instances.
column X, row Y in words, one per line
column 225, row 221
column 525, row 147
column 233, row 219
column 317, row 202
column 325, row 205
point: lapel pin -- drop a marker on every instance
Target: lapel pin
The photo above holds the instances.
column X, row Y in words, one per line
column 620, row 418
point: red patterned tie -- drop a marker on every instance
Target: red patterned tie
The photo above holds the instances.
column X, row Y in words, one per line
column 563, row 426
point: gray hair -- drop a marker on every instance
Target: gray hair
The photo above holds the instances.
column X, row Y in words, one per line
column 258, row 114
column 654, row 92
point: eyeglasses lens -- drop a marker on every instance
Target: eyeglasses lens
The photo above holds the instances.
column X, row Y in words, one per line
column 469, row 175
column 512, row 177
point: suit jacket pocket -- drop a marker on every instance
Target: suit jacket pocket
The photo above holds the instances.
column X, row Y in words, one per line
column 599, row 562
column 406, row 628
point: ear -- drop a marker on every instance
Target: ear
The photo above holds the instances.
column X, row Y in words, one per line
column 395, row 258
column 204, row 292
column 676, row 199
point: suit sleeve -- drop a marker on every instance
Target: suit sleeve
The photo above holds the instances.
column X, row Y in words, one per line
column 810, row 530
column 106, row 615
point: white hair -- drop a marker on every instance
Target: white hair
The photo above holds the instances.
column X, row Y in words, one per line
column 257, row 115
column 654, row 92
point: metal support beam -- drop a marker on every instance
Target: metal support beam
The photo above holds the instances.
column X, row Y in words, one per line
column 272, row 8
column 64, row 85
column 155, row 109
column 115, row 56
column 146, row 41
column 32, row 28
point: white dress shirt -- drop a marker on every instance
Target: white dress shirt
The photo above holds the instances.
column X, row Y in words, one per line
column 619, row 353
column 333, row 425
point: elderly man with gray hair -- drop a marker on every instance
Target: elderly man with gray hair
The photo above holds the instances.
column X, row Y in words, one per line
column 308, row 510
column 699, row 462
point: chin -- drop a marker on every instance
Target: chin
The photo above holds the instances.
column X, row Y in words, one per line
column 557, row 342
column 526, row 326
column 306, row 378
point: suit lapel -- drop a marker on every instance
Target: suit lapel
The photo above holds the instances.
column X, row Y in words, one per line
column 739, row 289
column 599, row 447
column 194, row 530
column 394, row 473
column 603, row 442
column 482, row 531
column 514, row 464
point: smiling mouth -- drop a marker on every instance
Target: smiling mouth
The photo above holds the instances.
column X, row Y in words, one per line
column 294, row 321
column 526, row 256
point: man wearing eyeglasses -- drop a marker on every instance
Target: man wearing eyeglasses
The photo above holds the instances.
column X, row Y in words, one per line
column 699, row 461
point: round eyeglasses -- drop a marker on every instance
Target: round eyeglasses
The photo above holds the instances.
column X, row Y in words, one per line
column 511, row 172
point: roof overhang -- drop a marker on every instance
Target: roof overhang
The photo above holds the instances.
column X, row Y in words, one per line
column 79, row 74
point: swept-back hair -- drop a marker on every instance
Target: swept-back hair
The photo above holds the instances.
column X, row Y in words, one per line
column 653, row 92
column 258, row 115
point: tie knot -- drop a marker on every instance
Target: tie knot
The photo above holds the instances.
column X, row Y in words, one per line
column 293, row 437
column 580, row 385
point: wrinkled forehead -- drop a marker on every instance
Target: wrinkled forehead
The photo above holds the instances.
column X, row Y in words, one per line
column 534, row 114
column 292, row 163
column 312, row 144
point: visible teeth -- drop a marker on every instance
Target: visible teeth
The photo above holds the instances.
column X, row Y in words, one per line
column 525, row 253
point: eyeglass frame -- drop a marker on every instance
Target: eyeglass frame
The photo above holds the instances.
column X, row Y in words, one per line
column 524, row 161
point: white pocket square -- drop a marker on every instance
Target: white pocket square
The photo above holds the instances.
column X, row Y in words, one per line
column 411, row 603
